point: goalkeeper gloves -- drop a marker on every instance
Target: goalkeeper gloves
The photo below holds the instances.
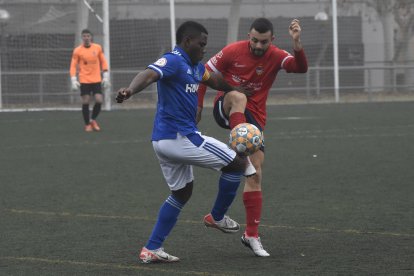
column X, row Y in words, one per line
column 75, row 84
column 105, row 79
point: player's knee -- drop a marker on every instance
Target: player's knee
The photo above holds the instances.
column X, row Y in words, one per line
column 237, row 97
column 237, row 165
column 98, row 99
column 184, row 194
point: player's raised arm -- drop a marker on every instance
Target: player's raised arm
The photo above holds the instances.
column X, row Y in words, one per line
column 139, row 83
column 298, row 64
column 295, row 31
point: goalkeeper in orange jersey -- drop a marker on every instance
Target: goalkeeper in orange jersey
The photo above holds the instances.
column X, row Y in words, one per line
column 88, row 61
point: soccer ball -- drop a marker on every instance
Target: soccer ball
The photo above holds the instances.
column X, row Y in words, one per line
column 245, row 139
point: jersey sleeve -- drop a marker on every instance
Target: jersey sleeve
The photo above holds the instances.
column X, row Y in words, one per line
column 220, row 61
column 102, row 59
column 73, row 63
column 296, row 64
column 166, row 66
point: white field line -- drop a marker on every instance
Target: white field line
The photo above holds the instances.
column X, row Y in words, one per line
column 85, row 143
column 70, row 215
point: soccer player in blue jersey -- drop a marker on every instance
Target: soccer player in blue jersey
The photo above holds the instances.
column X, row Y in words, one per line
column 177, row 142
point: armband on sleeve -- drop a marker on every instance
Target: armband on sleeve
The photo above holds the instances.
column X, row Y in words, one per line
column 206, row 75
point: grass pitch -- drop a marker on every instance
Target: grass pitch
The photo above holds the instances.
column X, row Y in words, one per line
column 338, row 195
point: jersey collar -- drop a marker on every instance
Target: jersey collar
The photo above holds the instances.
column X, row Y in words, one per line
column 178, row 50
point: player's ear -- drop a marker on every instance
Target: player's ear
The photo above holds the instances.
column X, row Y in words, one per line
column 187, row 41
column 273, row 38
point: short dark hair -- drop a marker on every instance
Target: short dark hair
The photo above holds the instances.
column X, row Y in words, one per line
column 86, row 31
column 189, row 28
column 262, row 25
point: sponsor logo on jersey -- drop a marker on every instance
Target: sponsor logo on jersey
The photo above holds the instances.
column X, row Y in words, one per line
column 238, row 65
column 214, row 60
column 236, row 78
column 255, row 86
column 175, row 52
column 191, row 88
column 259, row 69
column 219, row 54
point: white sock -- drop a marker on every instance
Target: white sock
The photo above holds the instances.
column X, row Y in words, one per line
column 250, row 170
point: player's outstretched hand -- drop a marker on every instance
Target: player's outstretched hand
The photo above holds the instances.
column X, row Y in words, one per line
column 123, row 94
column 294, row 29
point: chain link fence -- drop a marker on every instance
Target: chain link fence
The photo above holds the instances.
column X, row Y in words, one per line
column 375, row 45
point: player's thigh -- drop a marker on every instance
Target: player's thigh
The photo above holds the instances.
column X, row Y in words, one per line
column 98, row 98
column 220, row 115
column 196, row 149
column 85, row 98
column 257, row 159
column 176, row 174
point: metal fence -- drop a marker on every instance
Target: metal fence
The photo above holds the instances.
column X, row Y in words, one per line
column 375, row 45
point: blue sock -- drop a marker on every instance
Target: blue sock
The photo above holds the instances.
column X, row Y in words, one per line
column 167, row 217
column 228, row 184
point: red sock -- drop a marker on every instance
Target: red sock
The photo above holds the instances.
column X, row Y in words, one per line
column 253, row 205
column 236, row 118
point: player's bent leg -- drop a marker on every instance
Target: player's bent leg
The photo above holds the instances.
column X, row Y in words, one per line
column 234, row 105
column 207, row 152
column 229, row 109
column 228, row 185
column 184, row 194
column 234, row 101
column 238, row 164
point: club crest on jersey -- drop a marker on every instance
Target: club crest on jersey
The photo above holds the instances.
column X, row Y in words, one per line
column 161, row 62
column 259, row 69
column 191, row 88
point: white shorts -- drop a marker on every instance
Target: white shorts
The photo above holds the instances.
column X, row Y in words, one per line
column 177, row 156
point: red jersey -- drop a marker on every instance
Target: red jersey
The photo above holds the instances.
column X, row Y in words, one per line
column 239, row 66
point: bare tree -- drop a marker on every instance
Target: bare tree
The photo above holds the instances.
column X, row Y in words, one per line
column 397, row 19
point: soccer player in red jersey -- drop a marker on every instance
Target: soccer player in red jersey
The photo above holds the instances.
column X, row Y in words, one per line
column 252, row 63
